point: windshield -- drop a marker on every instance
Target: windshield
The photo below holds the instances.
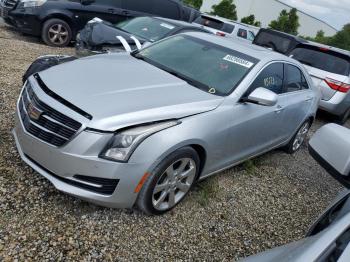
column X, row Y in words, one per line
column 148, row 28
column 210, row 67
column 321, row 59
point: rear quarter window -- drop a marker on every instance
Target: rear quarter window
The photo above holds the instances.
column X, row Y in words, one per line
column 324, row 60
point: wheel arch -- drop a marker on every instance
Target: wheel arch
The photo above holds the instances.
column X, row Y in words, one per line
column 65, row 17
column 202, row 157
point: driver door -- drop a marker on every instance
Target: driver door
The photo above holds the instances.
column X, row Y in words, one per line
column 257, row 128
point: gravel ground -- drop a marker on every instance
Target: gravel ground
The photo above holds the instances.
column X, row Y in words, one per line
column 259, row 205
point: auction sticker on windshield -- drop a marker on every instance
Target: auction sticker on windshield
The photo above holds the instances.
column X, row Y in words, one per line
column 238, row 61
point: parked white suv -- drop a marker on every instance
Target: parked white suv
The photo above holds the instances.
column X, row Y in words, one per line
column 329, row 68
column 224, row 27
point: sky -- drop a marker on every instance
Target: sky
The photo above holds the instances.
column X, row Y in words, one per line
column 334, row 12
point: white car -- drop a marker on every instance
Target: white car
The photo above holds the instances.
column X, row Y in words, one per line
column 224, row 27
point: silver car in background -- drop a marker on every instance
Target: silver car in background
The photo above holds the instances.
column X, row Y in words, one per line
column 329, row 68
column 140, row 129
column 227, row 28
column 328, row 238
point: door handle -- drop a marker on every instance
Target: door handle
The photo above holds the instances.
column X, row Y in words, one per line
column 279, row 109
column 111, row 10
column 308, row 99
column 125, row 12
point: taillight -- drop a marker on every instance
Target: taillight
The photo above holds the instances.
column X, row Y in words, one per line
column 220, row 34
column 337, row 85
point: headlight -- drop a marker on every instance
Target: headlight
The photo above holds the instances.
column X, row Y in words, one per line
column 123, row 144
column 32, row 3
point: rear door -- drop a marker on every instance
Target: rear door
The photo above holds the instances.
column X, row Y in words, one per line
column 321, row 64
column 166, row 8
column 135, row 8
column 109, row 10
column 296, row 100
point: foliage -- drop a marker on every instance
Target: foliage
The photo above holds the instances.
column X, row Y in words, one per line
column 250, row 20
column 341, row 39
column 226, row 9
column 287, row 22
column 194, row 3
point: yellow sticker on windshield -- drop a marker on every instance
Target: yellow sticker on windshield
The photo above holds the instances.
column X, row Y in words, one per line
column 238, row 61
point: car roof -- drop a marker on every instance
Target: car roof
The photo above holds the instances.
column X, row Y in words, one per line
column 228, row 21
column 261, row 53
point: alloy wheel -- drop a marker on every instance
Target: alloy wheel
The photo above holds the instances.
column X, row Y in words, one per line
column 174, row 184
column 58, row 34
column 301, row 135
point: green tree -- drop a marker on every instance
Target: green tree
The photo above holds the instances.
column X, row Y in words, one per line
column 194, row 3
column 250, row 20
column 226, row 8
column 287, row 22
column 341, row 38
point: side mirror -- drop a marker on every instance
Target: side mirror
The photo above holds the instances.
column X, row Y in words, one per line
column 330, row 147
column 263, row 96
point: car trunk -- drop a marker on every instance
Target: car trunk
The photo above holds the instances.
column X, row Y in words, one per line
column 318, row 76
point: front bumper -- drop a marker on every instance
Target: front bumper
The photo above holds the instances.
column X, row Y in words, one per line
column 79, row 158
column 25, row 20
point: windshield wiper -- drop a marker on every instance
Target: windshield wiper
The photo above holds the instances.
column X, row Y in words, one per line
column 136, row 55
column 188, row 80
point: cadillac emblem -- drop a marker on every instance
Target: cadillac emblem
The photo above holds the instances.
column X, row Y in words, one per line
column 33, row 112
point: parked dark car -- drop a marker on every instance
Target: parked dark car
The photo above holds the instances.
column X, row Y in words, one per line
column 58, row 22
column 278, row 41
column 100, row 36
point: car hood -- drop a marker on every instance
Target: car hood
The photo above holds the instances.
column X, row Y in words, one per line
column 119, row 90
column 104, row 33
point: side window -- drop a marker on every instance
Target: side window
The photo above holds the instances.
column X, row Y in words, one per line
column 165, row 8
column 242, row 33
column 111, row 3
column 228, row 28
column 294, row 79
column 270, row 78
column 139, row 6
column 251, row 36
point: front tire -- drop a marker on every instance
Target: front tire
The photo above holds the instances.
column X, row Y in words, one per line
column 299, row 138
column 169, row 182
column 56, row 32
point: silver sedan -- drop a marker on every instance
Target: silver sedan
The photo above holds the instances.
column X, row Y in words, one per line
column 140, row 129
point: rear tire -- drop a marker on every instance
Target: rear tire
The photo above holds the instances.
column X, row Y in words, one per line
column 169, row 182
column 56, row 32
column 298, row 139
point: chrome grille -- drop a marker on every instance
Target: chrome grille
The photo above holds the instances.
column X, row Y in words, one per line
column 10, row 3
column 44, row 122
